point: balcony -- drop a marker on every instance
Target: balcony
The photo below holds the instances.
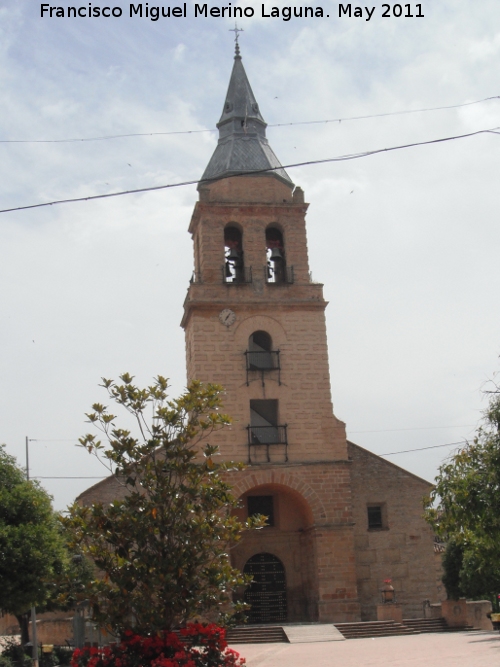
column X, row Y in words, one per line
column 263, row 361
column 267, row 436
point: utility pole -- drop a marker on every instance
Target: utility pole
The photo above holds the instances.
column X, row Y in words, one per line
column 34, row 639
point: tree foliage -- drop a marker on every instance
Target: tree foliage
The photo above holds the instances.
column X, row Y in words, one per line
column 464, row 509
column 162, row 548
column 32, row 550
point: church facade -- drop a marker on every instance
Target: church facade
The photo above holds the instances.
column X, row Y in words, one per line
column 340, row 519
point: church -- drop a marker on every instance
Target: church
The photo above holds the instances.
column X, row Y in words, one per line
column 341, row 520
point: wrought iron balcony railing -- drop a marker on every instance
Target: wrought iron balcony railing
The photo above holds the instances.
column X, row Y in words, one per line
column 276, row 274
column 236, row 275
column 267, row 436
column 263, row 361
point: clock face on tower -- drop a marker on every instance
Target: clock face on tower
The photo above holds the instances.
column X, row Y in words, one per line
column 227, row 317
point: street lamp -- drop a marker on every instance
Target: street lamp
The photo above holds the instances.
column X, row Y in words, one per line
column 33, row 610
column 388, row 592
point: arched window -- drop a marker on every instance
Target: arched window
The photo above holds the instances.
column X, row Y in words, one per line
column 275, row 251
column 234, row 267
column 260, row 351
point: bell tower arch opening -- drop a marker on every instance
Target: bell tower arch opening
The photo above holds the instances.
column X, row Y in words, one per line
column 276, row 269
column 234, row 267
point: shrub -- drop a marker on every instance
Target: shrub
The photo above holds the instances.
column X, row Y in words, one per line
column 14, row 653
column 48, row 659
column 199, row 645
column 64, row 654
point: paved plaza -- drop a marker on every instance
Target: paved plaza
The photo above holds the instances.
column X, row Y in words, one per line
column 462, row 649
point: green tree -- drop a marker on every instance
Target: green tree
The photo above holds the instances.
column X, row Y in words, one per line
column 452, row 565
column 32, row 551
column 464, row 509
column 162, row 548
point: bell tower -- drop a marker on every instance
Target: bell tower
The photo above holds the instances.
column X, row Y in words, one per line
column 255, row 323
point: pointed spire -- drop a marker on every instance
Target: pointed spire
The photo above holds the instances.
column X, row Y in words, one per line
column 242, row 145
column 240, row 101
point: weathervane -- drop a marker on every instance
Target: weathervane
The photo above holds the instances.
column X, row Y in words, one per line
column 236, row 30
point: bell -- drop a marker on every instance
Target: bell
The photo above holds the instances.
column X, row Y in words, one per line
column 228, row 270
column 233, row 255
column 276, row 254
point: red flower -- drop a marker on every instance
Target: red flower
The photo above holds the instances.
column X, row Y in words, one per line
column 206, row 646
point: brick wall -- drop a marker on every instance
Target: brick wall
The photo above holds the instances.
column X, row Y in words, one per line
column 51, row 627
column 403, row 550
column 216, row 354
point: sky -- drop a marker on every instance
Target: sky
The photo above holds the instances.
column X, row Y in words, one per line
column 406, row 242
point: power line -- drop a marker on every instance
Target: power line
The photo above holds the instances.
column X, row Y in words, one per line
column 53, row 440
column 305, row 122
column 105, row 137
column 383, row 430
column 415, row 428
column 341, row 158
column 63, row 477
column 421, row 449
column 404, row 451
column 389, row 113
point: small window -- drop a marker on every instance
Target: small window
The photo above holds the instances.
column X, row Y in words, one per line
column 264, row 422
column 260, row 340
column 375, row 517
column 264, row 412
column 261, row 505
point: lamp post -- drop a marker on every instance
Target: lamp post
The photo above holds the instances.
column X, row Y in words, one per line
column 34, row 639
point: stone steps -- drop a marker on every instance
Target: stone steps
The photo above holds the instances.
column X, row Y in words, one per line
column 426, row 624
column 432, row 625
column 256, row 634
column 317, row 632
column 309, row 633
column 366, row 629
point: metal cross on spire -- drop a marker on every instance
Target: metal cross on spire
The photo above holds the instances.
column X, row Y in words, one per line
column 236, row 30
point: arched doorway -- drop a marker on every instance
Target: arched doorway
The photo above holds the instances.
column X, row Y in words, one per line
column 267, row 592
